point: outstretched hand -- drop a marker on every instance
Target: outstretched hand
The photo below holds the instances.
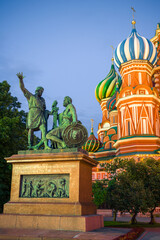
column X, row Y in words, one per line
column 20, row 75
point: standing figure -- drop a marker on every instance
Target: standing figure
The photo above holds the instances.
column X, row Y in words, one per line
column 31, row 189
column 55, row 113
column 39, row 189
column 61, row 190
column 36, row 115
column 51, row 190
column 24, row 187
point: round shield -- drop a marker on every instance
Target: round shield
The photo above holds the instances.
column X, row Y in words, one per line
column 75, row 135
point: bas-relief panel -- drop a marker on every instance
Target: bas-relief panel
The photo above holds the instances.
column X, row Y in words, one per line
column 44, row 186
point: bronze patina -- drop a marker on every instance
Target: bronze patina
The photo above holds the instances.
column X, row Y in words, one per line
column 75, row 135
column 70, row 132
column 45, row 186
column 67, row 131
column 36, row 116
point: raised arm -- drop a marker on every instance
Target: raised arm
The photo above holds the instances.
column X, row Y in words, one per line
column 22, row 87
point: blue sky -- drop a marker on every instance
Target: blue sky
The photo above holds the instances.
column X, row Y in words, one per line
column 65, row 46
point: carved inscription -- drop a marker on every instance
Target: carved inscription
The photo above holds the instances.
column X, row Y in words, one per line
column 45, row 186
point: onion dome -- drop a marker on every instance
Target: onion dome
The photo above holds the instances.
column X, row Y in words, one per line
column 92, row 144
column 111, row 103
column 135, row 47
column 107, row 87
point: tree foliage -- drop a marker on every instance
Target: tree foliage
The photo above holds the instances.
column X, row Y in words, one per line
column 138, row 184
column 13, row 136
column 99, row 193
column 133, row 186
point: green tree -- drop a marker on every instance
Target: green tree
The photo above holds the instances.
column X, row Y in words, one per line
column 112, row 197
column 151, row 176
column 13, row 136
column 134, row 186
column 99, row 193
column 125, row 194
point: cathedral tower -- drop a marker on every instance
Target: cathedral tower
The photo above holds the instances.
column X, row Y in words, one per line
column 138, row 102
column 156, row 70
column 105, row 90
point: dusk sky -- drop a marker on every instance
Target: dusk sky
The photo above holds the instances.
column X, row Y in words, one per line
column 65, row 46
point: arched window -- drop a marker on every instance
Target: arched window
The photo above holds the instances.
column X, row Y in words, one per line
column 98, row 176
column 128, row 127
column 129, row 79
column 127, row 93
column 103, row 175
column 144, row 126
column 157, row 127
column 101, row 138
column 141, row 91
column 113, row 119
column 140, row 78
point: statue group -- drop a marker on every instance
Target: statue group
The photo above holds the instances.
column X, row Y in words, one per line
column 49, row 186
column 67, row 131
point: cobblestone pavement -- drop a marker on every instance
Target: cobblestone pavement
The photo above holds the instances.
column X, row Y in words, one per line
column 149, row 234
column 99, row 234
column 25, row 234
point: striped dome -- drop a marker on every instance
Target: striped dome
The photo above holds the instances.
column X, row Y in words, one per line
column 135, row 47
column 111, row 103
column 107, row 87
column 92, row 144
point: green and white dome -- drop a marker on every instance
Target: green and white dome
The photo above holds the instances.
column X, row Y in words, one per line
column 107, row 87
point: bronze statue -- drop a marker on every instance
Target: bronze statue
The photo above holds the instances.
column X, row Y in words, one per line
column 68, row 134
column 55, row 113
column 67, row 117
column 36, row 116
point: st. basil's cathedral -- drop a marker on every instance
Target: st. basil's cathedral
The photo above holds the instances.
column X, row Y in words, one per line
column 130, row 104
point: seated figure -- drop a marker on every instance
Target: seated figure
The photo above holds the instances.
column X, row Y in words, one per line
column 66, row 118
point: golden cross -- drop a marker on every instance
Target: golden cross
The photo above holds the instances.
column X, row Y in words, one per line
column 92, row 123
column 133, row 12
column 112, row 50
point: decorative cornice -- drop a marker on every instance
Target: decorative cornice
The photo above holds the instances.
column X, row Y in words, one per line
column 139, row 64
column 131, row 138
column 155, row 69
column 137, row 96
column 102, row 130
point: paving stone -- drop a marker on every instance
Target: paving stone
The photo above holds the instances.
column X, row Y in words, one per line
column 27, row 234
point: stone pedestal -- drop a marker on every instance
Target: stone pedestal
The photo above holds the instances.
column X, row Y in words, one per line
column 51, row 190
